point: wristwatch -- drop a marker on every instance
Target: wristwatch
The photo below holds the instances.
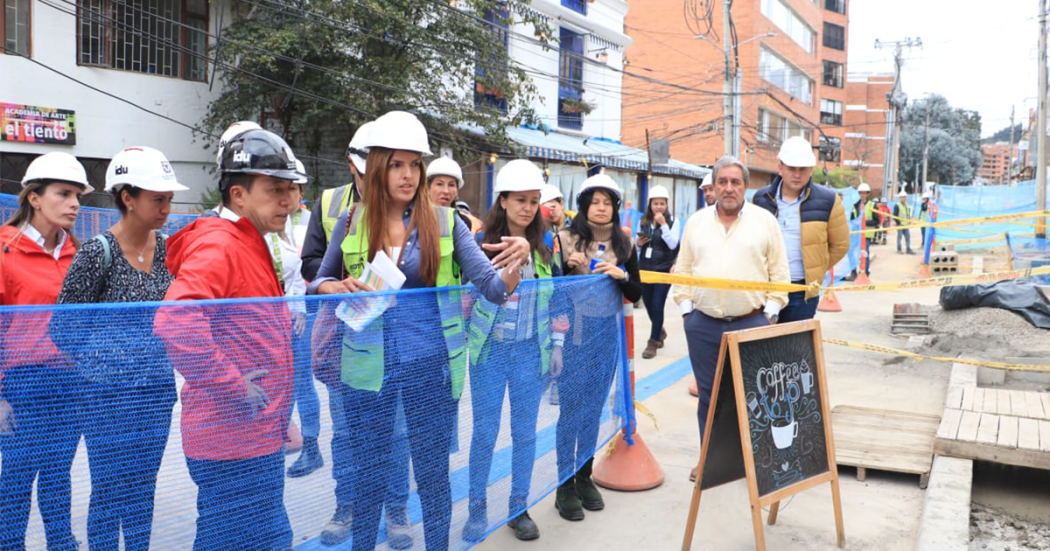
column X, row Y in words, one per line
column 774, row 318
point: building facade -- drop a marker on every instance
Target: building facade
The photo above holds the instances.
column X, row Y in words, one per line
column 791, row 62
column 79, row 77
column 995, row 163
column 864, row 144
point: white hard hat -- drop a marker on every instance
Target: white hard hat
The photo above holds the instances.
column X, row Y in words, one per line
column 398, row 130
column 863, row 187
column 599, row 181
column 232, row 132
column 519, row 175
column 925, row 195
column 659, row 192
column 902, row 194
column 357, row 151
column 301, row 169
column 57, row 166
column 445, row 166
column 550, row 193
column 797, row 152
column 708, row 181
column 144, row 168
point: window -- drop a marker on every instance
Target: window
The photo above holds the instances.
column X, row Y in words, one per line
column 784, row 17
column 158, row 37
column 830, row 112
column 14, row 26
column 837, row 6
column 487, row 71
column 578, row 6
column 774, row 129
column 833, row 74
column 830, row 149
column 834, row 36
column 785, row 76
column 570, row 80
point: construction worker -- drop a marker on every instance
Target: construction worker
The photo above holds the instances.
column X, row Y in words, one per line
column 552, row 198
column 414, row 354
column 444, row 180
column 236, row 360
column 39, row 432
column 658, row 236
column 902, row 217
column 812, row 222
column 927, row 213
column 708, row 188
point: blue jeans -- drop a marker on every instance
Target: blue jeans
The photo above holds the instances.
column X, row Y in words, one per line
column 126, row 431
column 240, row 504
column 703, row 335
column 305, row 395
column 424, row 388
column 512, row 366
column 583, row 390
column 798, row 308
column 906, row 234
column 654, row 295
column 40, row 449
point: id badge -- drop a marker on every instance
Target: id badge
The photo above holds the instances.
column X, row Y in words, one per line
column 649, row 252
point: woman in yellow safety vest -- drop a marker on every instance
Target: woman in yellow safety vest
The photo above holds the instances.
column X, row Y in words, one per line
column 512, row 347
column 416, row 350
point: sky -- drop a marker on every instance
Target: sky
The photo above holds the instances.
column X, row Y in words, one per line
column 982, row 56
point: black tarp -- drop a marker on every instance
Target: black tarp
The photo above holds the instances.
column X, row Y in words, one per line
column 1020, row 296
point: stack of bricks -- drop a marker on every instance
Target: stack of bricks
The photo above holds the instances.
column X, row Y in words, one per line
column 944, row 260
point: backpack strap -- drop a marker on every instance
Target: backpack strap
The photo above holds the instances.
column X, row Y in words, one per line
column 105, row 248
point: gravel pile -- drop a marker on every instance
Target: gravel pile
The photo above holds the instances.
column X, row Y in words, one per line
column 994, row 530
column 988, row 333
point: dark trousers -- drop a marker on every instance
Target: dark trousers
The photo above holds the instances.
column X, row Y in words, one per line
column 425, row 390
column 305, row 394
column 512, row 366
column 655, row 297
column 41, row 448
column 583, row 390
column 703, row 335
column 240, row 504
column 126, row 431
column 798, row 308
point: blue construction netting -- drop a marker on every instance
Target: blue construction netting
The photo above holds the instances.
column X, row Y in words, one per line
column 179, row 445
column 92, row 220
column 963, row 202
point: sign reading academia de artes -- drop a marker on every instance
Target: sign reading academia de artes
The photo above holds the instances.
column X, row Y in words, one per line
column 34, row 124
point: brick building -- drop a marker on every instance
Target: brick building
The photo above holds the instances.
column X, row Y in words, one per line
column 995, row 163
column 792, row 83
column 867, row 108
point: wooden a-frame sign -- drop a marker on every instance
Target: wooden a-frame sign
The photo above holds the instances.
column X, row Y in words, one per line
column 769, row 422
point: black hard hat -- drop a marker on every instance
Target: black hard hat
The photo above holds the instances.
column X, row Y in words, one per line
column 259, row 152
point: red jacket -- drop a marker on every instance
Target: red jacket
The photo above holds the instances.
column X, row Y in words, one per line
column 28, row 275
column 214, row 345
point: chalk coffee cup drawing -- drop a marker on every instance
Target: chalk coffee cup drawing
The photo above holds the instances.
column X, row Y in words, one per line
column 807, row 382
column 784, row 435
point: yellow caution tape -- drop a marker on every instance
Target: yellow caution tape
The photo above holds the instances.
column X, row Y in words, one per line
column 949, row 223
column 769, row 287
column 991, row 239
column 980, row 363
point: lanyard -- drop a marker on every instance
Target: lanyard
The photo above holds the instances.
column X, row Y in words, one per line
column 278, row 263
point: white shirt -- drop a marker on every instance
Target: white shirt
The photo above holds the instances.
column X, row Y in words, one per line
column 752, row 249
column 32, row 233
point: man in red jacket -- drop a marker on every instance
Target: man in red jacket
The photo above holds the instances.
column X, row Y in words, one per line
column 236, row 358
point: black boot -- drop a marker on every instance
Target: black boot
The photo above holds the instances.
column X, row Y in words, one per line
column 309, row 459
column 477, row 523
column 524, row 527
column 567, row 502
column 590, row 497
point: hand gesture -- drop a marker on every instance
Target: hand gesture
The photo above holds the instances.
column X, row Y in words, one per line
column 348, row 285
column 642, row 241
column 298, row 323
column 576, row 259
column 659, row 219
column 610, row 270
column 511, row 248
column 255, row 398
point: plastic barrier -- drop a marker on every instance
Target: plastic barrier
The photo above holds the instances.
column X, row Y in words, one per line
column 92, row 220
column 206, row 464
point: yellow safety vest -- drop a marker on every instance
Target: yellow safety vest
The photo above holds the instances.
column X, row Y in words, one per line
column 333, row 202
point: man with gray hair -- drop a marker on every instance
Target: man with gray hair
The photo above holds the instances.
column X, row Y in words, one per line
column 734, row 240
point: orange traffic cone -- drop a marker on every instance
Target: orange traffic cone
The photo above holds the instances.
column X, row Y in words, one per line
column 628, row 468
column 924, row 272
column 829, row 303
column 293, row 440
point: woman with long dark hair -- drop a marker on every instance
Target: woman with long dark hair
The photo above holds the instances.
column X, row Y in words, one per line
column 658, row 242
column 415, row 351
column 38, row 426
column 512, row 347
column 593, row 245
column 127, row 385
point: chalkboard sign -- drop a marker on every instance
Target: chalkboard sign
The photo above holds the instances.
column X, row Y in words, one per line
column 769, row 422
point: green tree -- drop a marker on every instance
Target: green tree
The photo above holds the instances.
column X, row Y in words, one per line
column 954, row 135
column 841, row 177
column 327, row 66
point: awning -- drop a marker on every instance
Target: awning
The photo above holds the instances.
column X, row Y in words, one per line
column 562, row 147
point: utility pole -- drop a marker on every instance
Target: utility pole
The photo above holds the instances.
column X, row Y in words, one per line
column 897, row 100
column 926, row 145
column 1010, row 159
column 1040, row 167
column 729, row 102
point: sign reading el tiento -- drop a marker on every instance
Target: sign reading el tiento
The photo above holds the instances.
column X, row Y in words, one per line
column 33, row 124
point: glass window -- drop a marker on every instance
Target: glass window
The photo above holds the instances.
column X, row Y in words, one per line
column 784, row 17
column 570, row 80
column 837, row 6
column 834, row 36
column 830, row 149
column 486, row 97
column 785, row 76
column 15, row 26
column 833, row 73
column 578, row 6
column 158, row 37
column 774, row 129
column 830, row 112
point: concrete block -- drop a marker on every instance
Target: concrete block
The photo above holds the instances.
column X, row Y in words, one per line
column 945, row 521
column 1039, row 377
column 941, row 270
column 963, row 375
column 948, row 258
column 944, row 247
column 988, row 376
